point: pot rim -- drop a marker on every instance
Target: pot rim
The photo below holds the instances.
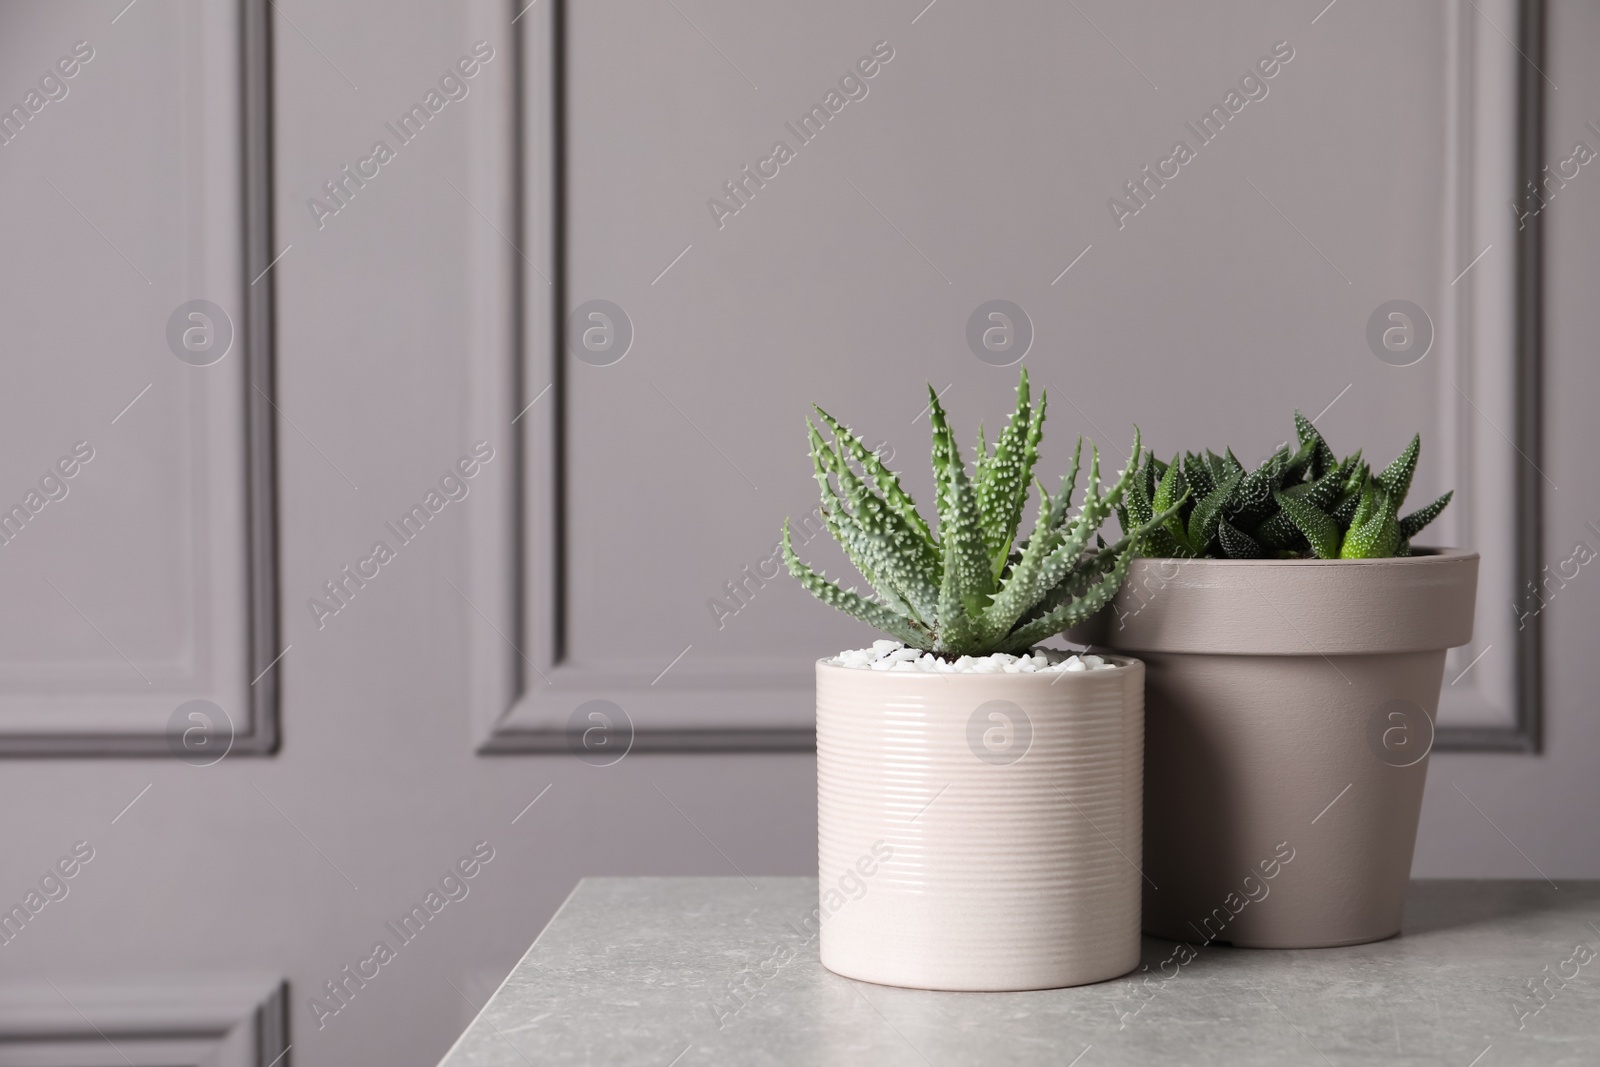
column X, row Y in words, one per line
column 1421, row 555
column 1291, row 607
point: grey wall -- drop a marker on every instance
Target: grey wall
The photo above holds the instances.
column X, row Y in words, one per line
column 992, row 141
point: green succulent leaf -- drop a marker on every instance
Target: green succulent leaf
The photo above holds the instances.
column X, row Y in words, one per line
column 1069, row 483
column 1279, row 534
column 1413, row 523
column 897, row 555
column 1252, row 501
column 940, row 459
column 1396, row 477
column 1208, row 513
column 1095, row 597
column 1374, row 529
column 1237, row 544
column 1172, row 488
column 1027, row 584
column 1317, row 526
column 849, row 602
column 1323, row 459
column 1198, row 474
column 864, row 548
column 885, row 480
column 1137, row 500
column 1001, row 485
column 967, row 584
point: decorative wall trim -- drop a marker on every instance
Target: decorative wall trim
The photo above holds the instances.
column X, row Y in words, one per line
column 1494, row 324
column 526, row 688
column 255, row 727
column 260, row 317
column 229, row 1022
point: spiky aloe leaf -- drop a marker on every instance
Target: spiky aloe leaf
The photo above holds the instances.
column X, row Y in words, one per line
column 967, row 583
column 1317, row 526
column 1001, row 484
column 1208, row 512
column 1172, row 488
column 1323, row 458
column 1072, row 613
column 1026, row 585
column 1087, row 569
column 1198, row 475
column 849, row 602
column 886, row 481
column 865, row 551
column 1253, row 499
column 898, row 556
column 1030, row 447
column 1096, row 508
column 1235, row 543
column 1069, row 483
column 898, row 551
column 1396, row 477
column 1140, row 490
column 1218, row 466
column 1059, row 577
column 1344, row 509
column 940, row 459
column 1323, row 492
column 1374, row 529
column 1412, row 524
column 1297, row 463
column 1137, row 509
column 1280, row 536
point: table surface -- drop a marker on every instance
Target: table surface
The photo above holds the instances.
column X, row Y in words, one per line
column 683, row 972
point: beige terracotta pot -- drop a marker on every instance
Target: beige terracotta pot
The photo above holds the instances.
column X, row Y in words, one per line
column 979, row 831
column 1291, row 707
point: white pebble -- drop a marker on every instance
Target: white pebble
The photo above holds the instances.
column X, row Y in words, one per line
column 886, row 655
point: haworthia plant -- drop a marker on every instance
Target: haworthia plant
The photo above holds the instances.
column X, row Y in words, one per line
column 968, row 586
column 1301, row 502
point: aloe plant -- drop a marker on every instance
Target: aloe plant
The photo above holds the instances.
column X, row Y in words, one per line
column 1302, row 502
column 968, row 587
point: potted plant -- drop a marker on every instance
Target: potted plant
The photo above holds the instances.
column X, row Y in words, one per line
column 978, row 798
column 1295, row 643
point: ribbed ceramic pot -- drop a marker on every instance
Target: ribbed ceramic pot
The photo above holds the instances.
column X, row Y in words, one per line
column 1291, row 707
column 979, row 831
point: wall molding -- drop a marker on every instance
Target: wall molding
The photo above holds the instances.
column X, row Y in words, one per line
column 1492, row 333
column 261, row 737
column 227, row 1022
column 526, row 687
column 255, row 718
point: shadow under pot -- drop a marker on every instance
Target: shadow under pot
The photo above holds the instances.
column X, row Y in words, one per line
column 979, row 831
column 1290, row 712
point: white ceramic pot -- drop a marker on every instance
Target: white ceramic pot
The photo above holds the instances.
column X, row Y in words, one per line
column 980, row 831
column 1291, row 707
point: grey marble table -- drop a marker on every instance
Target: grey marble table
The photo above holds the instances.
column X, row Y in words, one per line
column 682, row 972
